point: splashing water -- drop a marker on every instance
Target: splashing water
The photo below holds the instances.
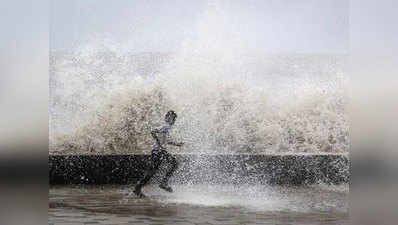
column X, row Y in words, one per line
column 228, row 99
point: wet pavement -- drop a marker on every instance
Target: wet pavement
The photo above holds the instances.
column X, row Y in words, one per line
column 199, row 204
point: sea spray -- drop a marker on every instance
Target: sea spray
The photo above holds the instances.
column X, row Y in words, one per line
column 115, row 112
column 229, row 97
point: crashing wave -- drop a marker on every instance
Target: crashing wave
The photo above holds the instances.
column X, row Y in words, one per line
column 106, row 101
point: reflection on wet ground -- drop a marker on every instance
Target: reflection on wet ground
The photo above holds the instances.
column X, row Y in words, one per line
column 199, row 204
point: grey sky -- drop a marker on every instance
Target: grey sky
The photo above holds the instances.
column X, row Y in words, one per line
column 261, row 25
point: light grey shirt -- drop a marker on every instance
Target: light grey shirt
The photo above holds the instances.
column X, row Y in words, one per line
column 163, row 135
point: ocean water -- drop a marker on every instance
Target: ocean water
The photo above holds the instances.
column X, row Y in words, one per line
column 230, row 97
column 199, row 204
column 106, row 101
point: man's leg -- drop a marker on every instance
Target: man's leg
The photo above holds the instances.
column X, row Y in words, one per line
column 174, row 164
column 156, row 161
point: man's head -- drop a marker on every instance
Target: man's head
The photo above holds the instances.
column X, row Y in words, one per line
column 170, row 117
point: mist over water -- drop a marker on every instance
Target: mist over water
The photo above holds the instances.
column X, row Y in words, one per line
column 229, row 98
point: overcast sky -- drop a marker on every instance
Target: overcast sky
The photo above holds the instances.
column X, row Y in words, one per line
column 303, row 26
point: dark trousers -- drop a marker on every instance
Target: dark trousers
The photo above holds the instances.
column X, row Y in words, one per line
column 157, row 158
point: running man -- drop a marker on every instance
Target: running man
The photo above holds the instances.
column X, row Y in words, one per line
column 159, row 154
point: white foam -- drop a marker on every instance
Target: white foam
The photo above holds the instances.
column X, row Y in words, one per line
column 106, row 100
column 253, row 197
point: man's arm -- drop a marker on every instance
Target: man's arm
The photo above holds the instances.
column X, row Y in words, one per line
column 154, row 134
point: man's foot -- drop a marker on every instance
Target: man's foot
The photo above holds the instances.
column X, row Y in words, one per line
column 166, row 187
column 138, row 192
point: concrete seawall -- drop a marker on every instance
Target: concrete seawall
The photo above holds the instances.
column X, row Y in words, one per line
column 221, row 169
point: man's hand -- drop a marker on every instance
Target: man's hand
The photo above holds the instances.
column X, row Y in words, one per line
column 179, row 144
